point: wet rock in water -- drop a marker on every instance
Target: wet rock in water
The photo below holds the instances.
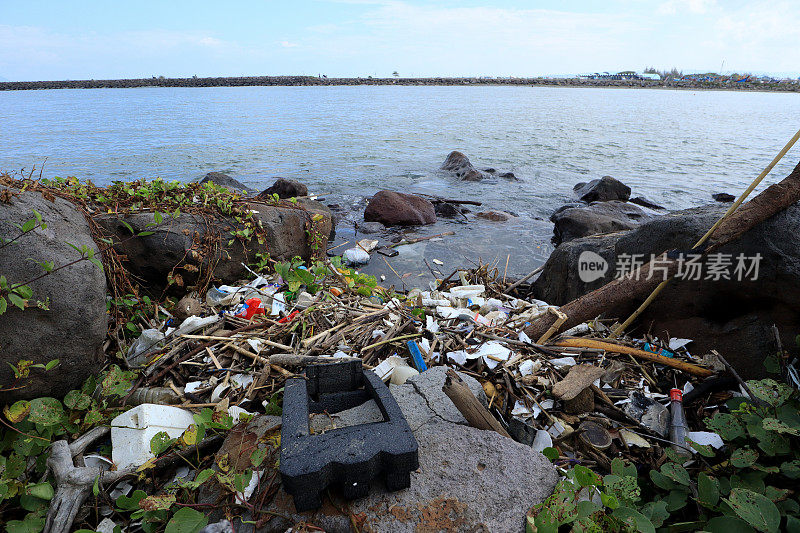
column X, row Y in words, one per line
column 495, row 216
column 509, row 176
column 370, row 227
column 490, row 170
column 731, row 316
column 398, row 209
column 460, row 165
column 572, row 222
column 218, row 178
column 188, row 242
column 646, row 202
column 723, row 197
column 603, row 190
column 469, row 479
column 74, row 328
column 284, row 188
column 447, row 210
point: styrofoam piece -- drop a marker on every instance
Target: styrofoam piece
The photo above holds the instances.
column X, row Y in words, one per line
column 194, row 322
column 132, row 431
column 467, row 291
column 542, row 440
column 235, row 412
column 402, row 373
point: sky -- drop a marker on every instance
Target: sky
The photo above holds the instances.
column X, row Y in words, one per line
column 98, row 39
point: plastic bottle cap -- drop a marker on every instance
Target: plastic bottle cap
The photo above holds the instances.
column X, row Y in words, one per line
column 676, row 395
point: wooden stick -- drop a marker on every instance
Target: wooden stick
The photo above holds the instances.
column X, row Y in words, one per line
column 641, row 354
column 526, row 278
column 420, row 239
column 469, row 406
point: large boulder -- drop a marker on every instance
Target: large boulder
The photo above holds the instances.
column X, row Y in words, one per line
column 603, row 190
column 218, row 178
column 398, row 209
column 573, row 221
column 285, row 189
column 191, row 244
column 730, row 315
column 74, row 327
column 468, row 480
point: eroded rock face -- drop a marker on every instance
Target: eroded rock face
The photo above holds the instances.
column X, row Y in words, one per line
column 468, row 480
column 285, row 188
column 603, row 190
column 191, row 242
column 731, row 316
column 74, row 328
column 399, row 209
column 579, row 220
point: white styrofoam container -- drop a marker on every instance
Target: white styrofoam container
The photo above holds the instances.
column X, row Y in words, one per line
column 132, row 430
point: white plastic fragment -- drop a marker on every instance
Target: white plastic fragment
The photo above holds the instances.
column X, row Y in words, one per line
column 705, row 438
column 367, row 244
column 676, row 343
column 235, row 412
column 242, row 380
column 493, row 353
column 132, row 431
column 148, row 339
column 355, row 256
column 194, row 322
column 562, row 363
column 106, row 526
column 431, row 324
column 467, row 291
column 278, row 304
column 542, row 440
column 193, row 386
column 243, row 497
column 632, row 439
column 528, row 367
column 459, row 357
column 216, row 394
column 523, row 411
column 580, row 329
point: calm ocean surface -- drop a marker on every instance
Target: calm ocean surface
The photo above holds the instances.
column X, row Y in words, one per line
column 675, row 147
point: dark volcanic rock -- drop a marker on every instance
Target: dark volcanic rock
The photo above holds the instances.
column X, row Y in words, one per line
column 74, row 328
column 723, row 197
column 192, row 242
column 398, row 209
column 218, row 178
column 447, row 210
column 603, row 190
column 285, row 189
column 573, row 221
column 645, row 202
column 370, row 227
column 730, row 316
column 509, row 175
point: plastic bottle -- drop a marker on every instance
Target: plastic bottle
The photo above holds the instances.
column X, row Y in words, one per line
column 677, row 424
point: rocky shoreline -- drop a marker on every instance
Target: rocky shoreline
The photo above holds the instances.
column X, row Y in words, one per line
column 303, row 81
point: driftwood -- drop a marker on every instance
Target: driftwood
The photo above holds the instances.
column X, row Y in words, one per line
column 641, row 354
column 73, row 483
column 469, row 406
column 621, row 295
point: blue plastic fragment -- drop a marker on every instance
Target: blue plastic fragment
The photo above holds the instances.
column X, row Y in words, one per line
column 658, row 351
column 416, row 356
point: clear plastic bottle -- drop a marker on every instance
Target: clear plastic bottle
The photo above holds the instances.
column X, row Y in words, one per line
column 677, row 424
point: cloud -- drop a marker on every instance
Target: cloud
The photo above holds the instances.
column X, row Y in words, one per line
column 287, row 44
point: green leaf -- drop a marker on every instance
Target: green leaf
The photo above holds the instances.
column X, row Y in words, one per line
column 43, row 491
column 3, row 305
column 584, row 476
column 727, row 524
column 792, row 524
column 24, row 291
column 16, row 300
column 676, row 473
column 145, row 233
column 46, row 411
column 791, row 469
column 130, row 503
column 77, row 400
column 656, row 512
column 17, row 412
column 51, row 364
column 158, row 217
column 744, row 457
column 634, row 519
column 258, row 456
column 773, row 424
column 160, row 502
column 28, row 225
column 677, row 499
column 707, row 490
column 551, row 453
column 186, row 520
column 755, row 509
column 31, row 524
column 160, row 442
column 587, row 508
column 609, row 500
column 770, row 391
column 727, row 425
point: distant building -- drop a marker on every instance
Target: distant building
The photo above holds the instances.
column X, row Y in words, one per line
column 650, row 76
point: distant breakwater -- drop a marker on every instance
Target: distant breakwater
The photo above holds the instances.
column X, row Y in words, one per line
column 780, row 86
